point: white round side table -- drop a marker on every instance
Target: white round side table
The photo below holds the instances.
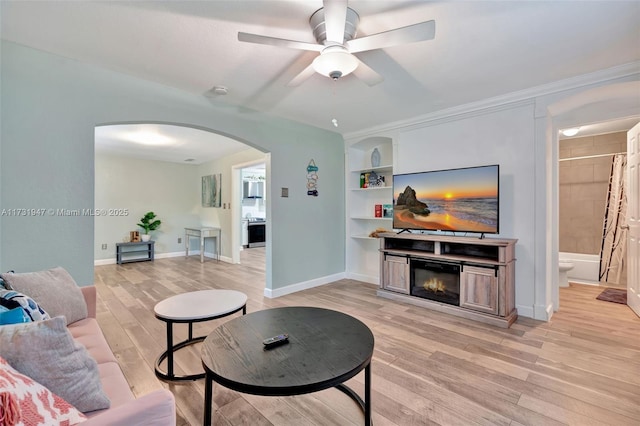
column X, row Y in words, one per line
column 188, row 308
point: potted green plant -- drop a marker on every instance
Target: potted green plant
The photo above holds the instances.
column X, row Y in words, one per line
column 148, row 222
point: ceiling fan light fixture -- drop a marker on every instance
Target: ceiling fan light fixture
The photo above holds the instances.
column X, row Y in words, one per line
column 335, row 62
column 150, row 138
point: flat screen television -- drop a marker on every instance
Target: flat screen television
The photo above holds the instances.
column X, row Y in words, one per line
column 457, row 200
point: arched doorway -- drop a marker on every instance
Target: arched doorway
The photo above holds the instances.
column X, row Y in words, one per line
column 184, row 153
column 610, row 102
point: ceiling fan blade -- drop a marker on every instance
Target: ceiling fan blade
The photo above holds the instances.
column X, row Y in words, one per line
column 409, row 34
column 280, row 42
column 335, row 18
column 275, row 90
column 302, row 76
column 367, row 74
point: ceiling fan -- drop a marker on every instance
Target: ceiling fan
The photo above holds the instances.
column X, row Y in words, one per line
column 334, row 27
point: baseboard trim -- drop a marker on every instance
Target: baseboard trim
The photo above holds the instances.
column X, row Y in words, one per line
column 583, row 282
column 166, row 255
column 207, row 255
column 305, row 285
column 549, row 311
column 365, row 278
column 525, row 311
column 542, row 312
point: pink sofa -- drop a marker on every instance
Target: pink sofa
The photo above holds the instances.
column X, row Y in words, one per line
column 155, row 408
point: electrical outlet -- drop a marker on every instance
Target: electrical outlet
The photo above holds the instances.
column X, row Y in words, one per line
column 285, row 192
column 179, row 240
column 104, row 247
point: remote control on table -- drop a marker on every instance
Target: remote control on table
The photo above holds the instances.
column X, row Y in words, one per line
column 275, row 340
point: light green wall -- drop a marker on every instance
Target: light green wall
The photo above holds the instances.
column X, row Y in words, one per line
column 171, row 190
column 139, row 186
column 50, row 107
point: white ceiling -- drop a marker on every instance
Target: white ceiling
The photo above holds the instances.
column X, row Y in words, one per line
column 162, row 142
column 482, row 49
column 601, row 128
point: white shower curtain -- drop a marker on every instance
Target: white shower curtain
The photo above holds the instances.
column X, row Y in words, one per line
column 614, row 236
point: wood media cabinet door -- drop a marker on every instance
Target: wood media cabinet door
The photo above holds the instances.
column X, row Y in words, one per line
column 395, row 275
column 479, row 289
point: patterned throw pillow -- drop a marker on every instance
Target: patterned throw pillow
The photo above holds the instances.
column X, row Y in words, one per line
column 26, row 402
column 11, row 316
column 11, row 299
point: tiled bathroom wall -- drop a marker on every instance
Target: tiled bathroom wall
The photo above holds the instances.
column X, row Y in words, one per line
column 584, row 185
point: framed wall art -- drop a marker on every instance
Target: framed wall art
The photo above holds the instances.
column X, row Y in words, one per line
column 211, row 190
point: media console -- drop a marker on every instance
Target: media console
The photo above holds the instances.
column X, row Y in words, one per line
column 468, row 277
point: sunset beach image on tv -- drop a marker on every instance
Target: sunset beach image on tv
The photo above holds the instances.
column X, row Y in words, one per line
column 458, row 200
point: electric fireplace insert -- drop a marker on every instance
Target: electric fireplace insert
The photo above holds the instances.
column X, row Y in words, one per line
column 435, row 280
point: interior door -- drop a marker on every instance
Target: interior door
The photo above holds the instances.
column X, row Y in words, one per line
column 633, row 218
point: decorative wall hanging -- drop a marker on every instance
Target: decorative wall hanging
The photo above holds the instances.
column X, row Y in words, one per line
column 211, row 190
column 312, row 179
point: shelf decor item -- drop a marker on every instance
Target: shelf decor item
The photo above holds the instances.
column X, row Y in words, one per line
column 373, row 180
column 148, row 222
column 375, row 158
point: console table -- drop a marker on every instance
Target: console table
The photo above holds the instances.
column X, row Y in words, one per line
column 202, row 233
column 141, row 250
column 484, row 270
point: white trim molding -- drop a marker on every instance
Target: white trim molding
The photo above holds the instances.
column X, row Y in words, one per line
column 304, row 285
column 369, row 279
column 508, row 99
column 212, row 256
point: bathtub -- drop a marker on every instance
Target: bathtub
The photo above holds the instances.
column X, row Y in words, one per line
column 586, row 267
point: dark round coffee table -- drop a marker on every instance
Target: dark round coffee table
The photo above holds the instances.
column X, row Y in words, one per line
column 325, row 349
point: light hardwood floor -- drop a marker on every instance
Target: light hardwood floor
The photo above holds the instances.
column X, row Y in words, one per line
column 582, row 368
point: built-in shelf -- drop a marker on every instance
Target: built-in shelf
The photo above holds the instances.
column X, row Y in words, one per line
column 370, row 218
column 373, row 188
column 381, row 169
column 363, row 237
column 361, row 250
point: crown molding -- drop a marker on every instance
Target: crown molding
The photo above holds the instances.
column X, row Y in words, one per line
column 509, row 100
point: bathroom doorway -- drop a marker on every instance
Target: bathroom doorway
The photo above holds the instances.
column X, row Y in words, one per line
column 611, row 102
column 584, row 178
